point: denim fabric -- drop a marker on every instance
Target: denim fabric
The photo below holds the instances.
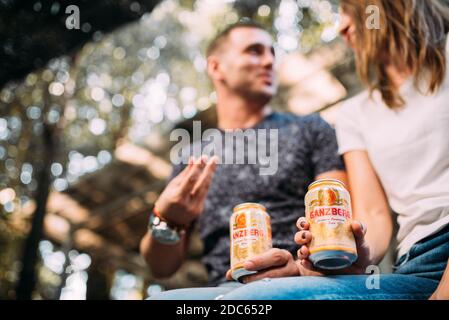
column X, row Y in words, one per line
column 208, row 293
column 427, row 258
column 416, row 276
column 352, row 287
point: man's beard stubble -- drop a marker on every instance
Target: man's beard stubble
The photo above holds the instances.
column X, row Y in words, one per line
column 258, row 97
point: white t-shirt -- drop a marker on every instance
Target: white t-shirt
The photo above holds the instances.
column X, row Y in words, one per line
column 409, row 150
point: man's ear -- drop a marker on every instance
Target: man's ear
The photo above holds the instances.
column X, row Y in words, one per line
column 213, row 68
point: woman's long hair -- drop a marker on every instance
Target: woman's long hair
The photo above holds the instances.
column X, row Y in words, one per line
column 411, row 36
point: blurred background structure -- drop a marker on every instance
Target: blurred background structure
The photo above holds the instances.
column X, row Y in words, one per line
column 85, row 117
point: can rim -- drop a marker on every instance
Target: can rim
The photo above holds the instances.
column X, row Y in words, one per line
column 249, row 205
column 326, row 181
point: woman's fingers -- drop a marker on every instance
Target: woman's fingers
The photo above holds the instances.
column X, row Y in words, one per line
column 303, row 252
column 229, row 275
column 303, row 237
column 359, row 229
column 302, row 224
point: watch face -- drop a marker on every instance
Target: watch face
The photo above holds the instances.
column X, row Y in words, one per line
column 164, row 235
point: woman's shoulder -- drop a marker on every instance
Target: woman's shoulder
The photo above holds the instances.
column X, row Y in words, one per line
column 357, row 102
column 354, row 106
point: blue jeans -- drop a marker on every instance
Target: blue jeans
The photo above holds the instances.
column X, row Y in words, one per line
column 208, row 293
column 416, row 276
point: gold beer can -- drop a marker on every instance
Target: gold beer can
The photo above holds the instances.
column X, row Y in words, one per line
column 250, row 232
column 329, row 213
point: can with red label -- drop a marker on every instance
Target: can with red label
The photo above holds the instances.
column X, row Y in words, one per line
column 328, row 211
column 250, row 232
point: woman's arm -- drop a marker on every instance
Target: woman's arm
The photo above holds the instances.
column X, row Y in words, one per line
column 369, row 203
column 370, row 207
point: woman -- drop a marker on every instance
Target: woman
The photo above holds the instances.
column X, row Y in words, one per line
column 394, row 138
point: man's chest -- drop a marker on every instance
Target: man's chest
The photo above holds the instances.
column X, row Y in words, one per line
column 290, row 176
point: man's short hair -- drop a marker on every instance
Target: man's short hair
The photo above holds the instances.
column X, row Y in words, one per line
column 222, row 36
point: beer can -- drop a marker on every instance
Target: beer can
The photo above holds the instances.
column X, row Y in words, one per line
column 250, row 232
column 328, row 211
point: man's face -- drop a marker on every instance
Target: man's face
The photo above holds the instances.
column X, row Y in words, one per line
column 246, row 63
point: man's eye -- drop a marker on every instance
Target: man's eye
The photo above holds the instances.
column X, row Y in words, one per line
column 254, row 50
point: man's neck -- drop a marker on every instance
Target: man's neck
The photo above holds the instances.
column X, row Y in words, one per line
column 240, row 114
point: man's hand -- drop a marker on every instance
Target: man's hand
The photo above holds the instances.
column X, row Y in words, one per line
column 275, row 263
column 304, row 237
column 182, row 201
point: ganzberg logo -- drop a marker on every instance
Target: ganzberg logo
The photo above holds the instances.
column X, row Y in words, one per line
column 249, row 146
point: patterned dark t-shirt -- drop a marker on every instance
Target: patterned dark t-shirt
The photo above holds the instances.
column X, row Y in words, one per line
column 307, row 147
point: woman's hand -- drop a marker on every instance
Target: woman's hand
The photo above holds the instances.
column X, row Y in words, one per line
column 303, row 238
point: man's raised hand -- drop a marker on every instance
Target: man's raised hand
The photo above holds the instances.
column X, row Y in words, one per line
column 182, row 201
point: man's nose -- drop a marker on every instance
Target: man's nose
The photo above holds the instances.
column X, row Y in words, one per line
column 268, row 59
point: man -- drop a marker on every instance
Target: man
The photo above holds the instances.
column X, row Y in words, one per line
column 240, row 63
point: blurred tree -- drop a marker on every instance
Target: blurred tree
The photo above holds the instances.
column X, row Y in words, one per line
column 98, row 284
column 10, row 244
column 33, row 32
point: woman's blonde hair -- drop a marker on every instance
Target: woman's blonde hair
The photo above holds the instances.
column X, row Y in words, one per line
column 411, row 36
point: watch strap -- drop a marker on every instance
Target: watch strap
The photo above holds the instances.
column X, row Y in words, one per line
column 178, row 228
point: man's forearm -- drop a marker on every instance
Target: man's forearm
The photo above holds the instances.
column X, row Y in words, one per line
column 164, row 260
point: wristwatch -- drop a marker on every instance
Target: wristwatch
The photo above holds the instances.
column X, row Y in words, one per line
column 162, row 232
